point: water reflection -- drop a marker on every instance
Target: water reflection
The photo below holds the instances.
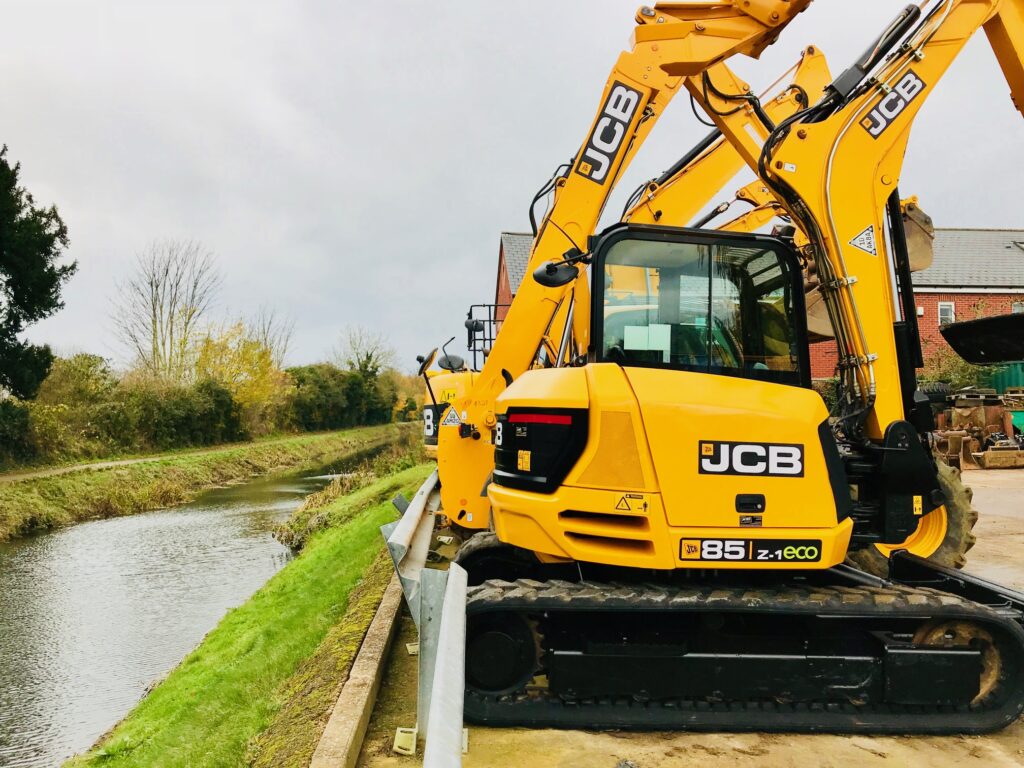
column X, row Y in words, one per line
column 90, row 616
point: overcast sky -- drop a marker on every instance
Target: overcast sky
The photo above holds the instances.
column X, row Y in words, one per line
column 354, row 163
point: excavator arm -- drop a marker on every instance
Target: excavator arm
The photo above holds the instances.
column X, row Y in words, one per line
column 836, row 167
column 676, row 197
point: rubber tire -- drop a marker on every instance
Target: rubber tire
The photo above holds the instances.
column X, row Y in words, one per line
column 937, row 391
column 485, row 557
column 960, row 520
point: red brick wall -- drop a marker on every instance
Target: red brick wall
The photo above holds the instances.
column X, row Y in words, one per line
column 503, row 293
column 968, row 307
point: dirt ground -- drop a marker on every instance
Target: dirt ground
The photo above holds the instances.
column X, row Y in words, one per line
column 999, row 555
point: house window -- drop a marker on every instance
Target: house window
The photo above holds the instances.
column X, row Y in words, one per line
column 947, row 313
column 1018, row 307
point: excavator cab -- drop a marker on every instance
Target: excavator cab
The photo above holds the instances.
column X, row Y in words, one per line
column 691, row 437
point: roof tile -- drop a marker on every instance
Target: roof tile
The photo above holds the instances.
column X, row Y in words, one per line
column 516, row 246
column 975, row 258
column 964, row 258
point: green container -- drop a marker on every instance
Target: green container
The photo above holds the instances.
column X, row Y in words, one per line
column 1008, row 376
column 1018, row 420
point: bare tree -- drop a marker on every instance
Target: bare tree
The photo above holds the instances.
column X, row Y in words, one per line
column 365, row 351
column 161, row 306
column 273, row 331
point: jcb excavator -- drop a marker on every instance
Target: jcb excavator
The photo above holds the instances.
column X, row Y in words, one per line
column 673, row 510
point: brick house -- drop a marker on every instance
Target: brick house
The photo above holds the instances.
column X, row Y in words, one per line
column 975, row 273
column 513, row 256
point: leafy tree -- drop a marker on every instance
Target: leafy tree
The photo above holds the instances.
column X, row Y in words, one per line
column 409, row 410
column 80, row 379
column 372, row 392
column 321, row 397
column 941, row 363
column 245, row 366
column 32, row 240
column 15, row 441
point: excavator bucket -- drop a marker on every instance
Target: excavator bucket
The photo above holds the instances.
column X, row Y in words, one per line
column 920, row 233
column 989, row 340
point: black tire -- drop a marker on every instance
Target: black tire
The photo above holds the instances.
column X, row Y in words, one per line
column 960, row 520
column 485, row 558
column 937, row 391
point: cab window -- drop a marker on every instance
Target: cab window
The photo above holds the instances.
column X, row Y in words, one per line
column 718, row 308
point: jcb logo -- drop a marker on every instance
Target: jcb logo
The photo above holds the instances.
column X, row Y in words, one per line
column 763, row 459
column 609, row 131
column 893, row 104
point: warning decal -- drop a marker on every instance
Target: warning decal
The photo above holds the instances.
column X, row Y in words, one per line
column 631, row 501
column 451, row 419
column 866, row 241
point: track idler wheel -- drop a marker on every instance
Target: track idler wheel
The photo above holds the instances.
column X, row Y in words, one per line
column 964, row 634
column 944, row 535
column 501, row 653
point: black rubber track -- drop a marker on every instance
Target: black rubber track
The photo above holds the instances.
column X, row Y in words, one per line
column 540, row 709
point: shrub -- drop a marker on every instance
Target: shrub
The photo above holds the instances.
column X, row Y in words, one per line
column 78, row 380
column 53, row 437
column 84, row 411
column 223, row 415
column 321, row 397
column 112, row 424
column 827, row 388
column 15, row 441
column 943, row 364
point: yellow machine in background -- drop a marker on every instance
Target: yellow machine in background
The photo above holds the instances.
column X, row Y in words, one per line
column 442, row 389
column 672, row 510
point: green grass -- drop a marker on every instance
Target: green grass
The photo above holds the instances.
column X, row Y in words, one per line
column 210, row 710
column 47, row 502
column 41, row 465
column 309, row 695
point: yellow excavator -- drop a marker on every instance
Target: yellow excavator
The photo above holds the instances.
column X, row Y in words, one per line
column 670, row 514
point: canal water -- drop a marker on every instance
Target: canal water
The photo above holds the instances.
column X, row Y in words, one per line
column 91, row 616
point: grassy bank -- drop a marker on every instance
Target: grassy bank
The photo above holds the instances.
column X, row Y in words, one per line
column 274, row 665
column 40, row 503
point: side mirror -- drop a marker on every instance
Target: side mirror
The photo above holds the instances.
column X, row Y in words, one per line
column 552, row 274
column 426, row 361
column 451, row 363
column 989, row 340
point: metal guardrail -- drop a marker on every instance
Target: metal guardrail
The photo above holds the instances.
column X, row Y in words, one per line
column 444, row 723
column 437, row 602
column 409, row 540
